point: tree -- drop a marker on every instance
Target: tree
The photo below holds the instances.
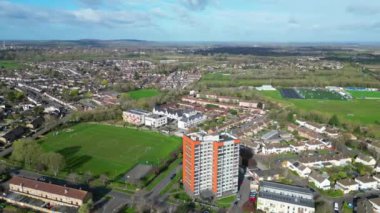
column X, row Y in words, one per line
column 26, row 152
column 73, row 177
column 55, row 162
column 18, row 152
column 87, row 177
column 86, row 207
column 334, row 121
column 104, row 178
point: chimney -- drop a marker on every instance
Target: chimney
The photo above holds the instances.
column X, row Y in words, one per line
column 66, row 191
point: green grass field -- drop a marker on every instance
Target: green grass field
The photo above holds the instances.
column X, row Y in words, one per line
column 108, row 149
column 356, row 111
column 8, row 64
column 365, row 94
column 143, row 93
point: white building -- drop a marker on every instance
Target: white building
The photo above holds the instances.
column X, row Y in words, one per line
column 347, row 185
column 375, row 202
column 315, row 128
column 366, row 160
column 277, row 197
column 155, row 121
column 320, row 181
column 135, row 116
column 300, row 169
column 377, row 178
column 266, row 88
column 275, row 148
column 189, row 120
column 210, row 163
column 366, row 183
column 325, row 161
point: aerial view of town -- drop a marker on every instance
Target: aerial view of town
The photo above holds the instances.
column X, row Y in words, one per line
column 187, row 106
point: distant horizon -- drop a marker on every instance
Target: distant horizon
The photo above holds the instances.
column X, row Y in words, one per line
column 195, row 41
column 263, row 21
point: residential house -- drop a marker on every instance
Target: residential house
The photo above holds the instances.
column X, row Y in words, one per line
column 297, row 167
column 13, row 135
column 314, row 127
column 321, row 161
column 375, row 202
column 268, row 175
column 275, row 148
column 135, row 116
column 319, row 181
column 190, row 120
column 277, row 197
column 36, row 123
column 155, row 121
column 298, row 147
column 366, row 182
column 366, row 160
column 48, row 192
column 377, row 178
column 347, row 185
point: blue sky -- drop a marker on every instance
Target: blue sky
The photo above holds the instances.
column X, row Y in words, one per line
column 193, row 20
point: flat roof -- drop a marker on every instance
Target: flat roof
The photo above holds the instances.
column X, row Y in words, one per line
column 286, row 187
column 204, row 137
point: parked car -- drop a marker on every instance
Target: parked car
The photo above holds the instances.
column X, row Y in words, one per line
column 336, row 207
column 252, row 196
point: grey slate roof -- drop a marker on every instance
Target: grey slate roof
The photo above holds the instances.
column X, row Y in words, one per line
column 286, row 198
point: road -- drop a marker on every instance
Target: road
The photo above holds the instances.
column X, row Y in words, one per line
column 161, row 185
column 118, row 200
column 244, row 195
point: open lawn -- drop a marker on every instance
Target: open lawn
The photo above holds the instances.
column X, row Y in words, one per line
column 143, row 93
column 8, row 64
column 357, row 111
column 365, row 94
column 108, row 149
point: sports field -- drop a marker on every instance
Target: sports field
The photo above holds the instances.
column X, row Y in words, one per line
column 320, row 94
column 365, row 94
column 143, row 93
column 8, row 64
column 108, row 149
column 358, row 111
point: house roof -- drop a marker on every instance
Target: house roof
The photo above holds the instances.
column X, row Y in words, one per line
column 316, row 176
column 286, row 187
column 366, row 158
column 375, row 201
column 322, row 158
column 347, row 182
column 366, row 179
column 50, row 188
column 283, row 197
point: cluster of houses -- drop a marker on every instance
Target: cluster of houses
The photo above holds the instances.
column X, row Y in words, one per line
column 44, row 197
column 276, row 142
column 185, row 118
column 305, row 168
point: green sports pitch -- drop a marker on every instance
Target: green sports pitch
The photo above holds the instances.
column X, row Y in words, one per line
column 356, row 111
column 365, row 94
column 143, row 93
column 104, row 149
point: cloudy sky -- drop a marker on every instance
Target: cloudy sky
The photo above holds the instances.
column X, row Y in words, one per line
column 193, row 20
